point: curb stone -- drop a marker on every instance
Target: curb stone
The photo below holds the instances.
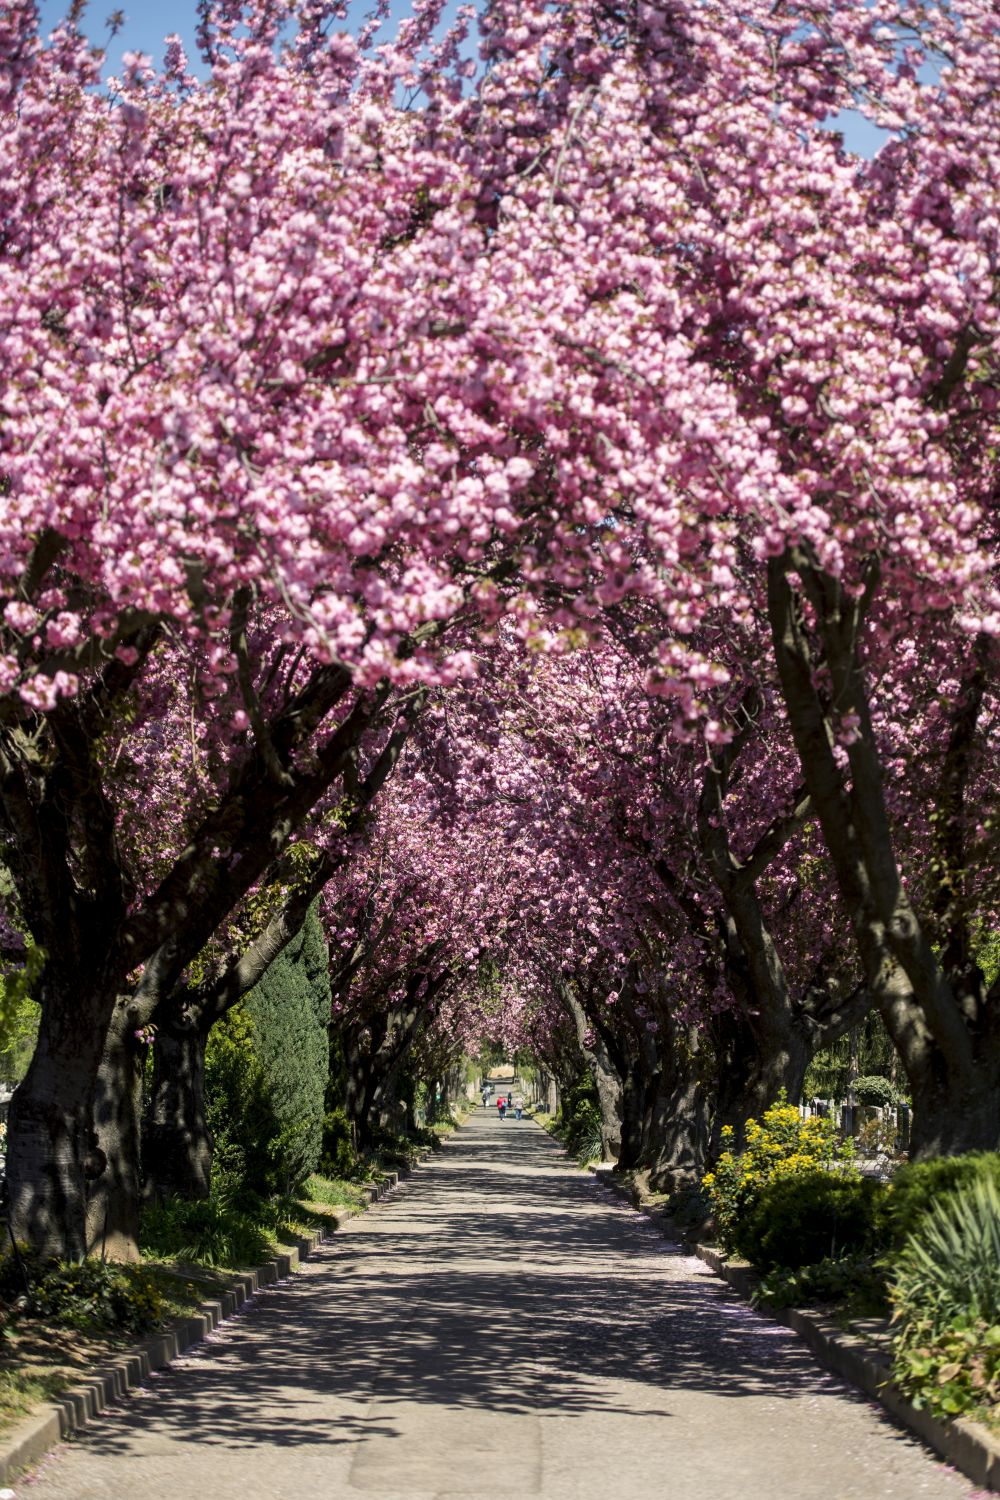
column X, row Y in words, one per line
column 83, row 1402
column 968, row 1445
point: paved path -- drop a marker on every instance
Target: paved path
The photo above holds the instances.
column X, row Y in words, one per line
column 499, row 1325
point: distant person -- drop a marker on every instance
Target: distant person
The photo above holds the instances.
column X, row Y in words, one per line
column 486, row 1097
column 518, row 1106
column 510, row 1100
column 501, row 1106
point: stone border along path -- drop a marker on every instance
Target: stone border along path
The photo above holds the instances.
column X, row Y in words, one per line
column 68, row 1414
column 499, row 1322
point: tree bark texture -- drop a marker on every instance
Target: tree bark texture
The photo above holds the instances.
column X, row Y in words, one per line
column 177, row 1143
column 918, row 967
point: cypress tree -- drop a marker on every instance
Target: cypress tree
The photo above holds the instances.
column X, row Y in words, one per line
column 271, row 1107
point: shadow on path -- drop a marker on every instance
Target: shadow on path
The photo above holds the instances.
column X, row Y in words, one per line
column 500, row 1305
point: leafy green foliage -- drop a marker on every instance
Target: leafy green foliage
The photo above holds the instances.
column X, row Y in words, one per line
column 89, row 1295
column 945, row 1291
column 951, row 1264
column 237, row 1106
column 919, row 1185
column 579, row 1121
column 337, row 1157
column 290, row 1009
column 874, row 1089
column 266, row 1072
column 212, row 1231
column 19, row 1015
column 856, row 1283
column 808, row 1217
column 827, row 1074
column 952, row 1371
column 780, row 1145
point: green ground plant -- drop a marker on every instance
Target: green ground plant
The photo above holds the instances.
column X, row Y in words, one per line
column 578, row 1123
column 88, row 1295
column 945, row 1291
column 210, row 1231
column 854, row 1283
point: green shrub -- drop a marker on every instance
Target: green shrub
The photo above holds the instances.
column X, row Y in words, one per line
column 337, row 1156
column 810, row 1216
column 290, row 1009
column 918, row 1186
column 874, row 1089
column 945, row 1290
column 237, row 1107
column 266, row 1069
column 854, row 1281
column 780, row 1145
column 950, row 1266
column 210, row 1231
column 579, row 1122
column 92, row 1295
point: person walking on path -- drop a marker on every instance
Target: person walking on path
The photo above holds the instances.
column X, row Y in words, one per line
column 501, row 1106
column 518, row 1106
column 486, row 1096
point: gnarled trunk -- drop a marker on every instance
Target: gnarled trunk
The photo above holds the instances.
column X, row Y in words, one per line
column 676, row 1125
column 919, row 965
column 177, row 1142
column 51, row 1150
column 113, row 1197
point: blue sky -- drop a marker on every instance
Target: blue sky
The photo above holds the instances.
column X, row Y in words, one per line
column 147, row 22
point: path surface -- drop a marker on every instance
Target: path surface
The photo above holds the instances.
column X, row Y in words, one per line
column 499, row 1325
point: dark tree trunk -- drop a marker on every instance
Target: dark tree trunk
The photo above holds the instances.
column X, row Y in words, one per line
column 676, row 1123
column 635, row 1084
column 113, row 1199
column 604, row 1074
column 177, row 1143
column 51, row 1149
column 919, row 966
column 679, row 1132
column 755, row 1064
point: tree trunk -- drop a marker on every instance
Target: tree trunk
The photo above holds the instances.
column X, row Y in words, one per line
column 177, row 1143
column 754, row 1063
column 930, row 996
column 50, row 1145
column 635, row 1082
column 604, row 1074
column 113, row 1199
column 679, row 1134
column 676, row 1115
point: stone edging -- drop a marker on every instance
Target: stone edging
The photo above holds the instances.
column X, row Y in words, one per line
column 970, row 1446
column 82, row 1403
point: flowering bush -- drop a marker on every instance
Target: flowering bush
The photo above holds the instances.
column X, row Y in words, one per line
column 780, row 1145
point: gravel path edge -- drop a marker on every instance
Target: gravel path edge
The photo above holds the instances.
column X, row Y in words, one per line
column 968, row 1445
column 30, row 1439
